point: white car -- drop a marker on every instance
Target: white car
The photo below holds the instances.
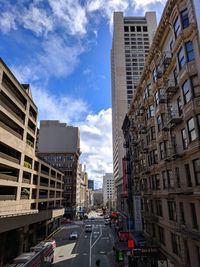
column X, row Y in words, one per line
column 73, row 235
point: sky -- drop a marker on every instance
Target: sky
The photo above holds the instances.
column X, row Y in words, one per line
column 62, row 49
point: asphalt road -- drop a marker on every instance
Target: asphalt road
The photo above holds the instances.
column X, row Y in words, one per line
column 89, row 247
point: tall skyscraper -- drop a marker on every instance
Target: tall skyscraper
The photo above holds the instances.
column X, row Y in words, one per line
column 132, row 38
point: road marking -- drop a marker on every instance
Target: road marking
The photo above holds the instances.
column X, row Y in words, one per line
column 85, row 254
column 104, row 237
column 97, row 238
column 90, row 257
column 102, row 252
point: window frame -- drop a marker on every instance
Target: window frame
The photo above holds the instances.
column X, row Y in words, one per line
column 196, row 170
column 191, row 131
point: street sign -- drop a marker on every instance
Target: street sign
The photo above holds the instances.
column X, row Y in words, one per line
column 130, row 243
column 120, row 255
column 146, row 252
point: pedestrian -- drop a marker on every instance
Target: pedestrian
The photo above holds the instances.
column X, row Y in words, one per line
column 98, row 262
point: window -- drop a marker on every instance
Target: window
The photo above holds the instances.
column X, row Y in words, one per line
column 188, row 175
column 191, row 130
column 182, row 214
column 132, row 28
column 180, row 106
column 164, row 178
column 177, row 28
column 144, row 28
column 175, row 73
column 194, row 216
column 159, row 123
column 170, row 179
column 177, row 174
column 184, row 138
column 138, row 30
column 196, row 168
column 184, row 18
column 172, row 210
column 126, row 29
column 195, row 86
column 159, row 207
column 175, row 240
column 189, row 51
column 162, row 150
column 161, row 234
column 181, row 58
column 153, row 133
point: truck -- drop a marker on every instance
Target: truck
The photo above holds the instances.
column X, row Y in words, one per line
column 41, row 255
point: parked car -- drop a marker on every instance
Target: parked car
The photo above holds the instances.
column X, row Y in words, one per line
column 88, row 228
column 73, row 235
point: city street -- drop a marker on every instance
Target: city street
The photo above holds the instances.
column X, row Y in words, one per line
column 88, row 248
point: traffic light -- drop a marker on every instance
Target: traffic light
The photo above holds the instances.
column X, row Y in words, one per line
column 119, row 255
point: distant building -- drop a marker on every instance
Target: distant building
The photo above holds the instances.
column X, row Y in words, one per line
column 91, row 184
column 82, row 191
column 59, row 144
column 108, row 189
column 97, row 198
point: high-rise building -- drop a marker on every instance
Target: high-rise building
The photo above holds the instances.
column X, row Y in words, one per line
column 132, row 37
column 108, row 189
column 91, row 184
column 31, row 191
column 163, row 155
column 59, row 144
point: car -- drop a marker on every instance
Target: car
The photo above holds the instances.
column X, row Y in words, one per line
column 73, row 236
column 88, row 228
column 106, row 216
column 92, row 218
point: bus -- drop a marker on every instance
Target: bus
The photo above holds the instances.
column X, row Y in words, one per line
column 42, row 255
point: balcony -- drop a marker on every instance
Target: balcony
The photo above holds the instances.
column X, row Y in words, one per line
column 7, row 197
column 12, row 89
column 7, row 177
column 173, row 153
column 171, row 88
column 9, row 158
column 175, row 118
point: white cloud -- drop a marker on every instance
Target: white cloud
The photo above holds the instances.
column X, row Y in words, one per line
column 7, row 22
column 58, row 107
column 71, row 15
column 37, row 20
column 55, row 59
column 96, row 144
column 59, row 59
column 144, row 3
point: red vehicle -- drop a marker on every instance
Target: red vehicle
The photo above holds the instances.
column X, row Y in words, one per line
column 42, row 255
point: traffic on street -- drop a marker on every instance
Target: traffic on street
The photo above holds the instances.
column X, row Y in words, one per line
column 87, row 248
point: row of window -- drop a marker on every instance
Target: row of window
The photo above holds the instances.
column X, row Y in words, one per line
column 172, row 179
column 176, row 214
column 135, row 28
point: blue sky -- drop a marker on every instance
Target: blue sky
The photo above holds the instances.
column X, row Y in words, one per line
column 62, row 48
